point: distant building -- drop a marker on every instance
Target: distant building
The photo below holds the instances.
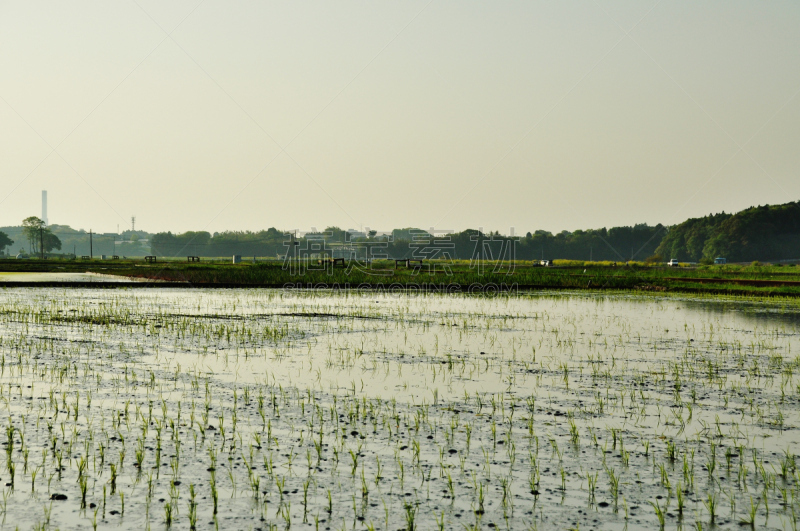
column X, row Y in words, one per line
column 44, row 206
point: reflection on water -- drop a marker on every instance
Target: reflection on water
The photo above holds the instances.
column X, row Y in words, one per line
column 495, row 412
column 61, row 277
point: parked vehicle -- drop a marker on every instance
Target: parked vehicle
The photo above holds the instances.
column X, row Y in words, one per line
column 720, row 261
column 673, row 263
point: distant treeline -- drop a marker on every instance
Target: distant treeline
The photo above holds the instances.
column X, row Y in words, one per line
column 128, row 243
column 758, row 233
column 616, row 244
column 269, row 243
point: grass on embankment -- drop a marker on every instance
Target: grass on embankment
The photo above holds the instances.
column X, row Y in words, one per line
column 730, row 279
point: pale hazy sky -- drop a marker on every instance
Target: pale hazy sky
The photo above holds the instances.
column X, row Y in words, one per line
column 211, row 115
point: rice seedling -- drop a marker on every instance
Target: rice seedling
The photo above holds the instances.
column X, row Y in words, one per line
column 750, row 519
column 141, row 377
column 711, row 504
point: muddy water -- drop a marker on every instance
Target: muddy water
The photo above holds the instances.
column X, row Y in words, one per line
column 329, row 411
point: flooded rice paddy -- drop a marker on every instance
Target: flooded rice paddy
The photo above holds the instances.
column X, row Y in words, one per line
column 262, row 409
column 63, row 277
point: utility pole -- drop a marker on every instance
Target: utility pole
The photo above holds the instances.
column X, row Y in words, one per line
column 90, row 244
column 41, row 241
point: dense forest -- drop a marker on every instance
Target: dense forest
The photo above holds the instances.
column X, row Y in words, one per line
column 758, row 233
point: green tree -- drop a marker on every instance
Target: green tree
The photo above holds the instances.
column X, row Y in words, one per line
column 36, row 231
column 335, row 234
column 32, row 229
column 768, row 232
column 718, row 245
column 5, row 241
column 51, row 241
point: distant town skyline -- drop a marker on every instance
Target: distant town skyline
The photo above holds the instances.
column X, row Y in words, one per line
column 554, row 116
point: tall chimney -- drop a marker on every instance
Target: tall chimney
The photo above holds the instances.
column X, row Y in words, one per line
column 44, row 206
